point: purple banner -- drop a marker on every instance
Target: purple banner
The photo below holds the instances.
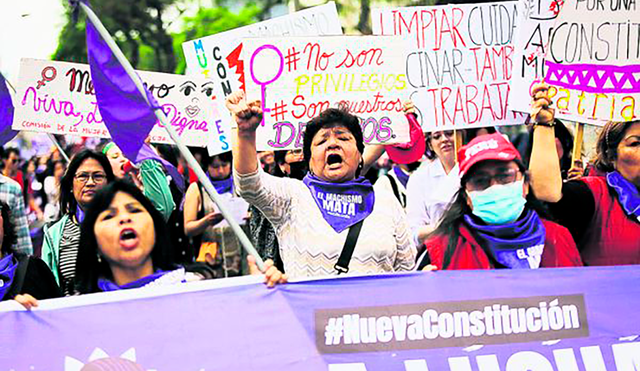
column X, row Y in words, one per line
column 580, row 319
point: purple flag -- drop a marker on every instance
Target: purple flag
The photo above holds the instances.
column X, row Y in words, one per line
column 126, row 113
column 6, row 114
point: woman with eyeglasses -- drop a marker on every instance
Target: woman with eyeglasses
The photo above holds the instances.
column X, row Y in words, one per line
column 494, row 221
column 88, row 171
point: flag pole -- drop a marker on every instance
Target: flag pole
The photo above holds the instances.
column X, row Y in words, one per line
column 59, row 147
column 51, row 137
column 202, row 177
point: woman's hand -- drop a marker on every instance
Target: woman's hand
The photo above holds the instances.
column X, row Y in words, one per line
column 213, row 218
column 26, row 301
column 247, row 115
column 541, row 110
column 272, row 276
column 430, row 268
column 576, row 172
column 409, row 107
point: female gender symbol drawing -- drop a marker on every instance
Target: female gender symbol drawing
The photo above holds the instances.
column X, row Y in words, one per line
column 263, row 84
column 48, row 74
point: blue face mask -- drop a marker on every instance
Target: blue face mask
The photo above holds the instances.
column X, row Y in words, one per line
column 499, row 204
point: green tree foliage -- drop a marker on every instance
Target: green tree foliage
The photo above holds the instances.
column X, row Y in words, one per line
column 211, row 21
column 137, row 27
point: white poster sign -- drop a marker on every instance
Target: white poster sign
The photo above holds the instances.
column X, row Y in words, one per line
column 58, row 98
column 593, row 60
column 460, row 62
column 296, row 78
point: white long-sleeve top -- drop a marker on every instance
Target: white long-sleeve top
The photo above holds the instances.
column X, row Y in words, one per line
column 310, row 247
column 430, row 190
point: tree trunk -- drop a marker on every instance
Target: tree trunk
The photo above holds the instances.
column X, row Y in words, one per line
column 365, row 13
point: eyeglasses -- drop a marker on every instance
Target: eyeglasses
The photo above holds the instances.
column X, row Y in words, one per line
column 484, row 181
column 98, row 178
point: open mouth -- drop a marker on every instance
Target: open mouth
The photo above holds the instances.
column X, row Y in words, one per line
column 334, row 159
column 192, row 110
column 128, row 238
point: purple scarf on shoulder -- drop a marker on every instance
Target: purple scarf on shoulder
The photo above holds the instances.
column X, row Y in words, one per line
column 627, row 193
column 342, row 204
column 517, row 245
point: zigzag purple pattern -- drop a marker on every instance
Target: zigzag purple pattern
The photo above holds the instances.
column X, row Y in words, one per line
column 593, row 78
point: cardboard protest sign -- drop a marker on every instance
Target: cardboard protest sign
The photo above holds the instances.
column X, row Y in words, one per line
column 535, row 22
column 217, row 57
column 58, row 97
column 460, row 63
column 593, row 60
column 297, row 78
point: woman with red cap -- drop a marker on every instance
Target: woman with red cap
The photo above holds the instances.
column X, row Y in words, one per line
column 493, row 221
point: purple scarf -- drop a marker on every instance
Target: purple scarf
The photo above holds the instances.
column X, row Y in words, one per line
column 627, row 193
column 156, row 278
column 401, row 175
column 6, row 114
column 342, row 204
column 516, row 245
column 79, row 215
column 223, row 186
column 7, row 272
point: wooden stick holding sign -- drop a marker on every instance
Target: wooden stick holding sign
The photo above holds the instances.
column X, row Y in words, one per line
column 202, row 177
column 576, row 153
column 459, row 141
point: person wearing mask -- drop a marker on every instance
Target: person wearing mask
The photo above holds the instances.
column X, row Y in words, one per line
column 314, row 218
column 22, row 277
column 495, row 221
column 602, row 212
column 203, row 222
column 124, row 244
column 88, row 171
column 150, row 178
column 432, row 186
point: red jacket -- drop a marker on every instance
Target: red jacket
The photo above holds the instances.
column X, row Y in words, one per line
column 612, row 238
column 559, row 250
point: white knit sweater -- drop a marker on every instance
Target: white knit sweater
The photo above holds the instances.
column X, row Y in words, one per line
column 310, row 247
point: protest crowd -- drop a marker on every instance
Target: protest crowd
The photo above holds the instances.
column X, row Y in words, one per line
column 84, row 216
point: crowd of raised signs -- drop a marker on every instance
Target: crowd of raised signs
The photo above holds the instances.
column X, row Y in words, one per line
column 103, row 223
column 84, row 218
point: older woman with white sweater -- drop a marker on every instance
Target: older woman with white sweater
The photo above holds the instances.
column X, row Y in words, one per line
column 313, row 218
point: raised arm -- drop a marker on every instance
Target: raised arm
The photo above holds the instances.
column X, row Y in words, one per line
column 544, row 164
column 248, row 116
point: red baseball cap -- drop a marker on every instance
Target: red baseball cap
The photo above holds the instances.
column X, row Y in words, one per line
column 486, row 147
column 413, row 151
